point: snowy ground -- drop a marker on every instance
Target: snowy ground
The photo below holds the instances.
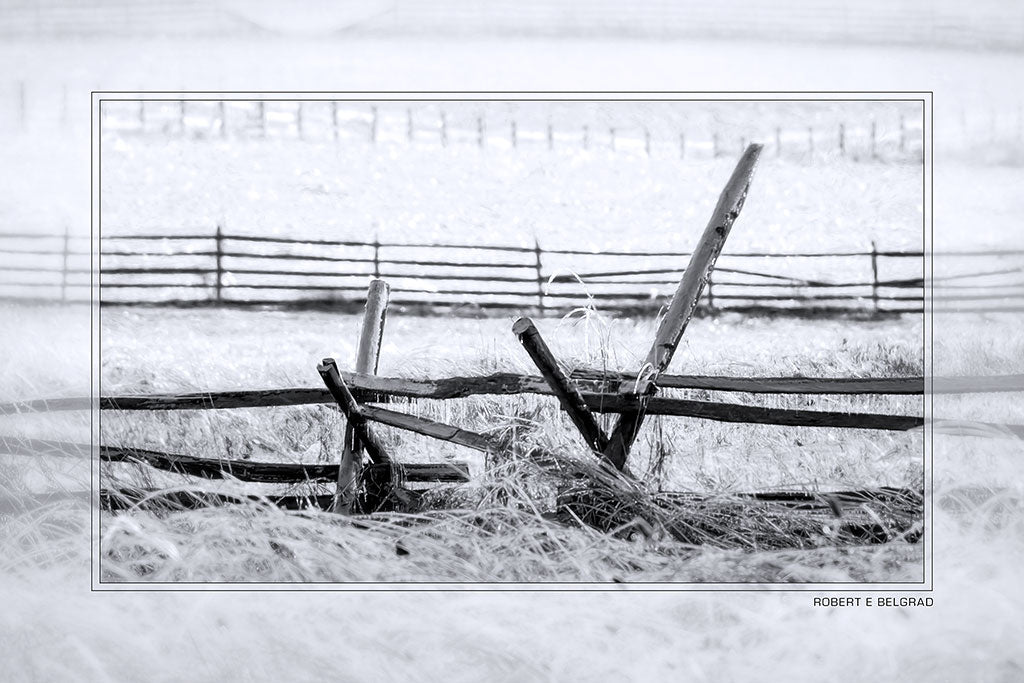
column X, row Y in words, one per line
column 968, row 634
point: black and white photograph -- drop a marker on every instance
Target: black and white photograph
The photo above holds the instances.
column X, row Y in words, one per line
column 491, row 341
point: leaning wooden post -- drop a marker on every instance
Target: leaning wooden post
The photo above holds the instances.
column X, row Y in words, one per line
column 367, row 360
column 568, row 394
column 683, row 304
column 353, row 412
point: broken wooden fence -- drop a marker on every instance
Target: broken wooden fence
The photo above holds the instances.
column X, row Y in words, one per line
column 580, row 394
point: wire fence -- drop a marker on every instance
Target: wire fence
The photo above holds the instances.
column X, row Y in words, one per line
column 237, row 269
column 892, row 139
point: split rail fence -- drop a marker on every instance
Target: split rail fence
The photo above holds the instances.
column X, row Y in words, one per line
column 238, row 269
column 376, row 481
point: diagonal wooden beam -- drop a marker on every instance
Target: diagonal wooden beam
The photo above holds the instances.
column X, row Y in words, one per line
column 353, row 412
column 568, row 394
column 684, row 302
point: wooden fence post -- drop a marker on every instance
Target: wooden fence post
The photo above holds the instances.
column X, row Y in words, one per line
column 373, row 124
column 220, row 264
column 367, row 361
column 540, row 274
column 328, row 370
column 376, row 256
column 874, row 275
column 64, row 266
column 683, row 304
column 711, row 292
column 568, row 394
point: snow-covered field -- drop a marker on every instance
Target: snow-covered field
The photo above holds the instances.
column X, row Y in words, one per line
column 968, row 634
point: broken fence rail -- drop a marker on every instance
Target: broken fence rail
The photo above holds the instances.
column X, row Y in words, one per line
column 216, row 468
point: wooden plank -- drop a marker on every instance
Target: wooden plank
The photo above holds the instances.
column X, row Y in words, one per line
column 568, row 394
column 352, row 410
column 427, row 427
column 684, row 302
column 367, row 361
column 216, row 468
column 378, row 389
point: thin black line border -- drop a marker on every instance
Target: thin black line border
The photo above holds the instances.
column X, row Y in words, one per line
column 98, row 97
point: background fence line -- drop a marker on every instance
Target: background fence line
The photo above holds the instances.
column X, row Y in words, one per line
column 897, row 140
column 227, row 268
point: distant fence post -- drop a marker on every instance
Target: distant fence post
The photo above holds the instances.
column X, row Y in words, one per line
column 298, row 121
column 714, row 145
column 373, row 124
column 219, row 254
column 842, row 139
column 64, row 266
column 222, row 113
column 142, row 116
column 181, row 116
column 540, row 274
column 480, row 131
column 551, row 137
column 376, row 256
column 711, row 293
column 874, row 275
